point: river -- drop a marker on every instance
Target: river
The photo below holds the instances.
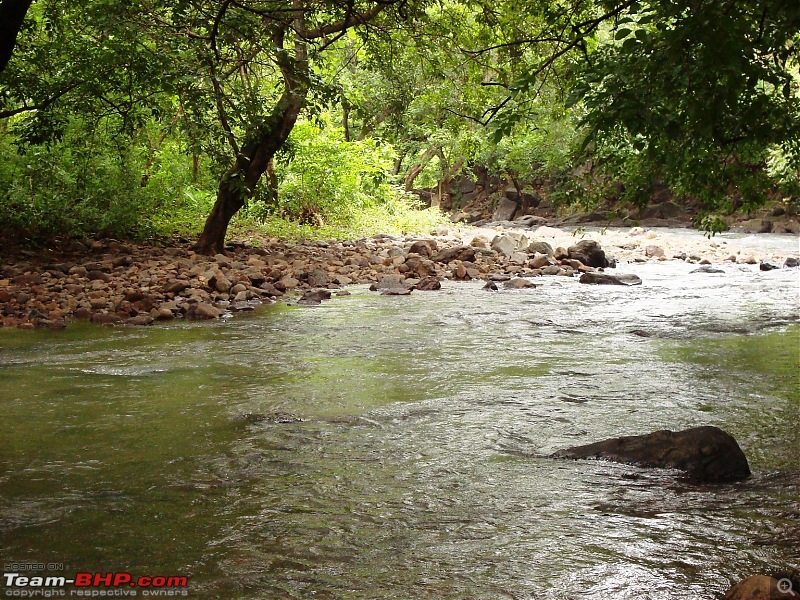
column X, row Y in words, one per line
column 394, row 447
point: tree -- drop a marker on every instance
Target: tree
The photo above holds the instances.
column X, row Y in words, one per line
column 256, row 36
column 12, row 16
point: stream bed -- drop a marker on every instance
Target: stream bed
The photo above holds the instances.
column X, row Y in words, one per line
column 394, row 447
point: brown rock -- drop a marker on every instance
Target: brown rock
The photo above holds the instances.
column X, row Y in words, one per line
column 140, row 320
column 98, row 276
column 106, row 319
column 462, row 253
column 519, row 283
column 423, row 247
column 762, row 587
column 204, row 310
column 428, row 284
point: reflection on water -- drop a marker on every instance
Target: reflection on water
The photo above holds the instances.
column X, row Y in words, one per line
column 392, row 447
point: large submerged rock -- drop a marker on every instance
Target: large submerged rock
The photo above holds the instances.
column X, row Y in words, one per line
column 706, row 454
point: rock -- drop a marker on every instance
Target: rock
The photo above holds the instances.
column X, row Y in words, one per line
column 746, row 260
column 767, row 266
column 318, row 278
column 421, row 266
column 428, row 284
column 589, row 253
column 175, row 287
column 706, row 454
column 561, row 253
column 791, row 262
column 140, row 320
column 395, row 291
column 552, row 270
column 505, row 210
column 764, row 587
column 504, row 244
column 541, row 248
column 541, row 260
column 606, row 279
column 518, row 283
column 462, row 253
column 313, row 297
column 162, row 314
column 653, row 251
column 634, row 231
column 203, row 310
column 270, row 289
column 518, row 257
column 288, row 283
column 423, row 247
column 98, row 276
column 480, row 241
column 491, row 286
column 222, row 283
column 707, row 269
column 106, row 319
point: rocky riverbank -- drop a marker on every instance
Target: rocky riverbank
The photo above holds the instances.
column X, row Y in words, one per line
column 113, row 283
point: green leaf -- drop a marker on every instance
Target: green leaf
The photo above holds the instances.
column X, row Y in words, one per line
column 622, row 33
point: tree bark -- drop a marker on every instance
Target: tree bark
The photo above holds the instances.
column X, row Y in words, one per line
column 265, row 140
column 418, row 167
column 12, row 15
column 239, row 182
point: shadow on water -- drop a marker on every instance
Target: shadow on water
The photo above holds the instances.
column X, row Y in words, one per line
column 379, row 447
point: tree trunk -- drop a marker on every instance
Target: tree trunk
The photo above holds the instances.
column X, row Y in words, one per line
column 265, row 140
column 12, row 15
column 417, row 168
column 239, row 182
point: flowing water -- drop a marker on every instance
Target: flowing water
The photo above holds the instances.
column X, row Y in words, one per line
column 394, row 447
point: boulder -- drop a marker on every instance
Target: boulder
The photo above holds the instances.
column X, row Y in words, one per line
column 504, row 245
column 428, row 284
column 707, row 269
column 505, row 210
column 606, row 279
column 423, row 247
column 706, row 454
column 519, row 283
column 541, row 248
column 395, row 291
column 462, row 253
column 204, row 310
column 764, row 587
column 653, row 251
column 314, row 297
column 791, row 262
column 589, row 253
column 767, row 266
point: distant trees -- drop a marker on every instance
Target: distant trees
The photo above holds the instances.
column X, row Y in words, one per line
column 701, row 96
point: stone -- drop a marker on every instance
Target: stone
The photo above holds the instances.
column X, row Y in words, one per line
column 791, row 262
column 480, row 241
column 552, row 270
column 707, row 269
column 589, row 253
column 98, row 276
column 428, row 284
column 634, row 231
column 541, row 260
column 175, row 287
column 395, row 291
column 163, row 314
column 288, row 283
column 423, row 267
column 140, row 320
column 518, row 283
column 106, row 319
column 518, row 257
column 270, row 289
column 423, row 247
column 607, row 279
column 313, row 297
column 561, row 253
column 490, row 286
column 222, row 284
column 504, row 244
column 652, row 251
column 767, row 266
column 203, row 310
column 541, row 248
column 746, row 260
column 706, row 454
column 462, row 253
column 764, row 587
column 505, row 211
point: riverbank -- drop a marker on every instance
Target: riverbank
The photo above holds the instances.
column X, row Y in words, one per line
column 114, row 283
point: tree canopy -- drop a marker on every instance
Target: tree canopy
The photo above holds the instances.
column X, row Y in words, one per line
column 701, row 97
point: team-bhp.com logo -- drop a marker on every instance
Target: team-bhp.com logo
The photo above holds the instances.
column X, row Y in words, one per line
column 94, row 585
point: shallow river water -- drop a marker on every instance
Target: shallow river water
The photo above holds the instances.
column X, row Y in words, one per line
column 394, row 447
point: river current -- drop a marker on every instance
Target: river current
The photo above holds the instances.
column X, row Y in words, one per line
column 395, row 447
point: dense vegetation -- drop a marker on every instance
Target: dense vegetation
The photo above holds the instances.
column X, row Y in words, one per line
column 153, row 118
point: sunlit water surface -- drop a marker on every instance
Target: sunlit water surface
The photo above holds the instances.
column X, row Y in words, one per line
column 394, row 447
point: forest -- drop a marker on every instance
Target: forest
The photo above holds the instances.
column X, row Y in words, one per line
column 155, row 119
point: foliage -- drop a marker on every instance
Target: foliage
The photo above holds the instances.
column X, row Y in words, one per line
column 697, row 98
